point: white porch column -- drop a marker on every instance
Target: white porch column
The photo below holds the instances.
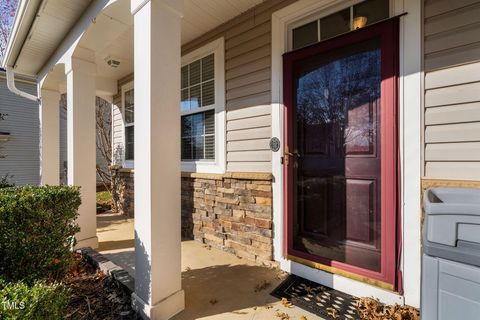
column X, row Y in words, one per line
column 50, row 137
column 158, row 292
column 81, row 148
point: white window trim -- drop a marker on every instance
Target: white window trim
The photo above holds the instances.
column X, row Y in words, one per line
column 410, row 94
column 219, row 164
column 126, row 163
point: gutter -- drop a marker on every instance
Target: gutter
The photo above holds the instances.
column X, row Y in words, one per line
column 25, row 17
column 11, row 86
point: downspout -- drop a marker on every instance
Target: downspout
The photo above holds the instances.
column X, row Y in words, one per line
column 11, row 86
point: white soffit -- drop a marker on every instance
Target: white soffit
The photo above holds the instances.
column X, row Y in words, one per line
column 112, row 33
column 54, row 19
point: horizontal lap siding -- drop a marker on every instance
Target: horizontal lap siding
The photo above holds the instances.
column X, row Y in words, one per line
column 247, row 83
column 247, row 67
column 452, row 89
column 20, row 155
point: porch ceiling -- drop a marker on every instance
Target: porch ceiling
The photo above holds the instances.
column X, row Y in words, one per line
column 110, row 34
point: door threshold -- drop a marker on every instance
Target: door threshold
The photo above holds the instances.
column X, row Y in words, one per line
column 343, row 273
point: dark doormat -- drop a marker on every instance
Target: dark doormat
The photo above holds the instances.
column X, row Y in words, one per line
column 315, row 298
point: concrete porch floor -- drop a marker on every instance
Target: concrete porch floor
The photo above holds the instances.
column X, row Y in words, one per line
column 217, row 284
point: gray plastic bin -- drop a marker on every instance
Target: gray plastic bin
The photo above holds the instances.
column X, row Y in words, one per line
column 451, row 254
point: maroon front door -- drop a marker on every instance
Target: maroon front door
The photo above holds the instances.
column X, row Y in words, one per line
column 341, row 136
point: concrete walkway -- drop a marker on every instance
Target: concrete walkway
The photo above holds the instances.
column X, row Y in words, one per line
column 217, row 284
column 116, row 240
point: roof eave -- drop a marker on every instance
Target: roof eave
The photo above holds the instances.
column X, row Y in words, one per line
column 24, row 17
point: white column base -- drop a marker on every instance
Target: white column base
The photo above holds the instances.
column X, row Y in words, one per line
column 163, row 310
column 90, row 242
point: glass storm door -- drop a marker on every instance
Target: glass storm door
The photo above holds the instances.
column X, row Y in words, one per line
column 341, row 159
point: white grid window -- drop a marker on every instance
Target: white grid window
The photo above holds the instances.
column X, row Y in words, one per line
column 197, row 108
column 129, row 116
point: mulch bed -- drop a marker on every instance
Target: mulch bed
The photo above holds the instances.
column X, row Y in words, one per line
column 95, row 295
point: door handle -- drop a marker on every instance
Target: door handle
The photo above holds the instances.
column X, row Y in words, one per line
column 288, row 154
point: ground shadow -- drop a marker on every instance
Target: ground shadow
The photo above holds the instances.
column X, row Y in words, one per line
column 110, row 220
column 225, row 289
column 115, row 245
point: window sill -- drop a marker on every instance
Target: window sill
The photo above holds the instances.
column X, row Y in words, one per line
column 202, row 166
column 129, row 164
column 190, row 166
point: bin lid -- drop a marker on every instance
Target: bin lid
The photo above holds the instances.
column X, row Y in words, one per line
column 452, row 224
column 449, row 201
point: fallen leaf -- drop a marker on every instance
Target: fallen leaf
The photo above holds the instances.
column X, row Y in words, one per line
column 332, row 312
column 286, row 303
column 303, row 317
column 371, row 308
column 99, row 275
column 282, row 316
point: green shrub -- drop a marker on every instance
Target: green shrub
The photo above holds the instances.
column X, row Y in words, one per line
column 39, row 301
column 36, row 231
column 5, row 181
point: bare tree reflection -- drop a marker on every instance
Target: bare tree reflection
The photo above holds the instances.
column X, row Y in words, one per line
column 328, row 95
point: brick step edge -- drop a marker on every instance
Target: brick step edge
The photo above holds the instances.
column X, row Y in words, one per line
column 109, row 268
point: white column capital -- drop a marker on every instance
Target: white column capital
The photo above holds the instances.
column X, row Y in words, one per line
column 174, row 6
column 80, row 65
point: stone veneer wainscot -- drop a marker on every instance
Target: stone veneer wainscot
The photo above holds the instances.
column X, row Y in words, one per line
column 231, row 211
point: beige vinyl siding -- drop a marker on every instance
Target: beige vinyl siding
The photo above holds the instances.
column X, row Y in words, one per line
column 247, row 82
column 452, row 89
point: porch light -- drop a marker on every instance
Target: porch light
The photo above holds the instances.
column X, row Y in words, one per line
column 359, row 22
column 112, row 62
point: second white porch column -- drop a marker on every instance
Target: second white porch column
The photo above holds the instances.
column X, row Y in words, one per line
column 158, row 292
column 50, row 137
column 81, row 147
